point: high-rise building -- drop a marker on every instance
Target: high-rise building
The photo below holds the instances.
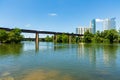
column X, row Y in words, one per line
column 93, row 26
column 82, row 30
column 109, row 24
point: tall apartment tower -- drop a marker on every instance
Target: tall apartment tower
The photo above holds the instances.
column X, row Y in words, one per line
column 93, row 26
column 109, row 24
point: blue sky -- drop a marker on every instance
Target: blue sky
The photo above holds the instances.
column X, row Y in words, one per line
column 56, row 15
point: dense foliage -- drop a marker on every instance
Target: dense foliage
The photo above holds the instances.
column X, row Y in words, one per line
column 14, row 36
column 48, row 39
column 61, row 38
column 88, row 36
column 105, row 36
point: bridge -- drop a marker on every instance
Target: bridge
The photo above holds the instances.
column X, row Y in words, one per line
column 44, row 32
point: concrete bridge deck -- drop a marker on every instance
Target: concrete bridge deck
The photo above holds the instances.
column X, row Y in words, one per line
column 42, row 32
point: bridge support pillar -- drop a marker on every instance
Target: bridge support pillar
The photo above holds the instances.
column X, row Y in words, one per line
column 55, row 38
column 37, row 38
column 37, row 41
column 69, row 37
column 37, row 46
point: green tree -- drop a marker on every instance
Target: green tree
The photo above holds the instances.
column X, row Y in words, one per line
column 15, row 36
column 64, row 38
column 88, row 36
column 109, row 36
column 48, row 39
column 3, row 36
column 112, row 35
column 59, row 38
column 98, row 37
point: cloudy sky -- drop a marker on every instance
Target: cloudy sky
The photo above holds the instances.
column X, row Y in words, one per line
column 56, row 15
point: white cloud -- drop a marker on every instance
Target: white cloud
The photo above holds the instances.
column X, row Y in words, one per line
column 28, row 25
column 52, row 14
column 99, row 20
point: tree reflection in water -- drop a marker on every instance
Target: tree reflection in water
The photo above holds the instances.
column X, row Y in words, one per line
column 11, row 49
column 109, row 55
column 103, row 52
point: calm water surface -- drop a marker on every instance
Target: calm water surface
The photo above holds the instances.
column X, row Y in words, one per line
column 50, row 61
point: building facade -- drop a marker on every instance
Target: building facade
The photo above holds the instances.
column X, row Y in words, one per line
column 93, row 26
column 82, row 30
column 109, row 24
column 106, row 23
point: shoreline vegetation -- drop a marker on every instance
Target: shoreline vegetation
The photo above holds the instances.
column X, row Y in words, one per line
column 107, row 36
column 13, row 36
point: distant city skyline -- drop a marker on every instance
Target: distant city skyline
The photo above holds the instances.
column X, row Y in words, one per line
column 107, row 24
column 56, row 15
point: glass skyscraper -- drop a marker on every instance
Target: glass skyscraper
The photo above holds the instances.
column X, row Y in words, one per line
column 93, row 26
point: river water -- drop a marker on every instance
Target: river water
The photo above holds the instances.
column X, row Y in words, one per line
column 49, row 61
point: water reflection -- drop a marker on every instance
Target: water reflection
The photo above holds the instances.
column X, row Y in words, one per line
column 60, row 46
column 43, row 46
column 11, row 49
column 37, row 47
column 109, row 55
column 87, row 51
column 95, row 53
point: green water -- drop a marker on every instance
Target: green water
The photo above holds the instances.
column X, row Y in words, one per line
column 50, row 61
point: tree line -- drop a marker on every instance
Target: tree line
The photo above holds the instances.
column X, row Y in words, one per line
column 62, row 38
column 13, row 36
column 106, row 36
